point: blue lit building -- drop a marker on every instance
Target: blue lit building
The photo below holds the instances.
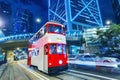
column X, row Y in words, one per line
column 76, row 15
column 116, row 9
column 91, row 38
column 5, row 16
column 23, row 21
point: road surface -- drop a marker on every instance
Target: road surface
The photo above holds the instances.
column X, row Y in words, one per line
column 20, row 71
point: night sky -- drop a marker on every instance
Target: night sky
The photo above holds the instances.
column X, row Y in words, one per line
column 40, row 8
column 106, row 11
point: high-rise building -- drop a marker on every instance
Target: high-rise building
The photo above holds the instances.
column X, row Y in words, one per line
column 91, row 38
column 76, row 15
column 116, row 9
column 23, row 21
column 5, row 16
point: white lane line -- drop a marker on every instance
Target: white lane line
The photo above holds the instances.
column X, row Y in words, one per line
column 81, row 76
column 42, row 76
column 35, row 73
column 92, row 75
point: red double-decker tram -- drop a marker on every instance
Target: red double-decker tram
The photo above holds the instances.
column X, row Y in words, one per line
column 47, row 49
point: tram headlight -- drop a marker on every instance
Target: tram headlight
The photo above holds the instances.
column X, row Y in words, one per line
column 50, row 63
column 60, row 61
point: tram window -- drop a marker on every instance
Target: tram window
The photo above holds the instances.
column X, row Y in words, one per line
column 46, row 49
column 38, row 35
column 35, row 38
column 57, row 29
column 44, row 30
column 53, row 49
column 59, row 49
column 41, row 32
column 64, row 49
column 50, row 28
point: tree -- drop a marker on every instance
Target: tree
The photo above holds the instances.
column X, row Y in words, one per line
column 110, row 38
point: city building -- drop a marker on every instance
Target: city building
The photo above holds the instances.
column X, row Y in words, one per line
column 92, row 43
column 116, row 9
column 76, row 15
column 5, row 17
column 23, row 21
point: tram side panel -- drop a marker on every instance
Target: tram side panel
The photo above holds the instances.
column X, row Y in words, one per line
column 40, row 60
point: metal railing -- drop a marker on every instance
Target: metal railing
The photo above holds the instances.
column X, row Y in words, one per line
column 69, row 36
column 17, row 37
column 73, row 35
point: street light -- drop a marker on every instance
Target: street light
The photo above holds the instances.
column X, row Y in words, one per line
column 108, row 22
column 38, row 20
column 18, row 48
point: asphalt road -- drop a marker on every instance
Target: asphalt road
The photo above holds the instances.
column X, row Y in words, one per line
column 20, row 71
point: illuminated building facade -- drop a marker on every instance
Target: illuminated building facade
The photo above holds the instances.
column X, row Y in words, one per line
column 23, row 21
column 91, row 38
column 76, row 15
column 5, row 16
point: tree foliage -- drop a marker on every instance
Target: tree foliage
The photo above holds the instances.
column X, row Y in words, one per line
column 110, row 38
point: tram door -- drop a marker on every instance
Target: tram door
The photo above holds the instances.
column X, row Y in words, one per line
column 45, row 58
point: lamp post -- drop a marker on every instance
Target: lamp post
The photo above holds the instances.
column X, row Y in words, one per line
column 38, row 20
column 108, row 22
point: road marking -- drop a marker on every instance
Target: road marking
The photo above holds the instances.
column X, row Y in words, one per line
column 92, row 75
column 81, row 76
column 35, row 73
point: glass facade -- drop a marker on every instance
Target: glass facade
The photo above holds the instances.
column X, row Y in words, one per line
column 5, row 17
column 91, row 34
column 75, row 13
column 23, row 21
column 116, row 9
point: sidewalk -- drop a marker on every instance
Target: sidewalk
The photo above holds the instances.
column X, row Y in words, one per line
column 2, row 69
column 14, row 72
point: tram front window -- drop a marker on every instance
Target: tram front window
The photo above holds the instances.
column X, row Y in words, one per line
column 59, row 48
column 64, row 49
column 53, row 49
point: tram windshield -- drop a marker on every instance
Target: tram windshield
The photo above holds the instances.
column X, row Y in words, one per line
column 57, row 49
column 56, row 29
